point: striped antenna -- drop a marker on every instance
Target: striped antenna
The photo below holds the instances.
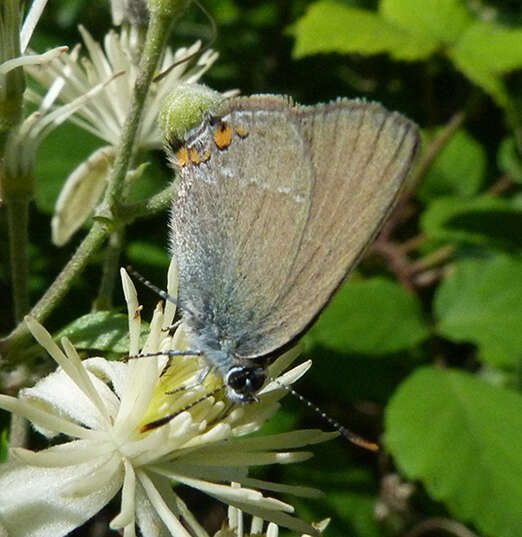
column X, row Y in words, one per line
column 164, row 353
column 349, row 435
column 150, row 285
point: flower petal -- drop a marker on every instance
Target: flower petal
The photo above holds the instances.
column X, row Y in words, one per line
column 102, row 470
column 231, row 494
column 148, row 519
column 287, row 378
column 30, row 22
column 31, row 59
column 126, row 516
column 133, row 309
column 272, row 530
column 172, row 290
column 57, row 393
column 109, row 372
column 74, row 452
column 80, row 194
column 31, row 503
column 43, row 418
column 166, row 515
column 278, row 517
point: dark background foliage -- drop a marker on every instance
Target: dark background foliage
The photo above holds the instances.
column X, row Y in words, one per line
column 421, row 349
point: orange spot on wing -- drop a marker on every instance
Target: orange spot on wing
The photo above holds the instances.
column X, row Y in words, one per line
column 241, row 131
column 183, row 157
column 223, row 135
column 194, row 156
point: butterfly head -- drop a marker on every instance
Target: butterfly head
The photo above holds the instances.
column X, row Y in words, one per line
column 243, row 382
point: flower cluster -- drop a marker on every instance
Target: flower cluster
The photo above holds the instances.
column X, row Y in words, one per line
column 104, row 115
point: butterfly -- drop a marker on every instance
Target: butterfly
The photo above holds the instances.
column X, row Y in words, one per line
column 276, row 204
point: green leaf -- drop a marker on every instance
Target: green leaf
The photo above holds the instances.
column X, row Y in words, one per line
column 508, row 159
column 484, row 52
column 282, row 422
column 440, row 20
column 327, row 27
column 102, row 331
column 458, row 170
column 374, row 316
column 461, row 436
column 481, row 75
column 497, row 47
column 480, row 302
column 484, row 221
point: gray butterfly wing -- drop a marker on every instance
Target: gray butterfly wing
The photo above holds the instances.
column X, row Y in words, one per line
column 276, row 204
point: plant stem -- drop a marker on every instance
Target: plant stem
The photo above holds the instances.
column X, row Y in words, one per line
column 433, row 259
column 436, row 146
column 111, row 265
column 157, row 203
column 78, row 261
column 157, row 32
column 413, row 244
column 435, row 525
column 500, row 185
column 58, row 288
column 18, row 221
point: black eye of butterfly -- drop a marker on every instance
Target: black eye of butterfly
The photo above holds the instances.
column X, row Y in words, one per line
column 245, row 380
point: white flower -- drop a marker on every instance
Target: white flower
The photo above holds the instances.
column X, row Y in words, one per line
column 104, row 116
column 104, row 407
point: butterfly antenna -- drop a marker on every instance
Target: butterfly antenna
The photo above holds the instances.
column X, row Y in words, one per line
column 349, row 435
column 169, row 417
column 164, row 353
column 150, row 285
column 211, row 41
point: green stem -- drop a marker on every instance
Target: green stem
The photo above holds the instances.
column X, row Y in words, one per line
column 157, row 203
column 58, row 288
column 433, row 259
column 436, row 146
column 18, row 220
column 111, row 264
column 157, row 33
